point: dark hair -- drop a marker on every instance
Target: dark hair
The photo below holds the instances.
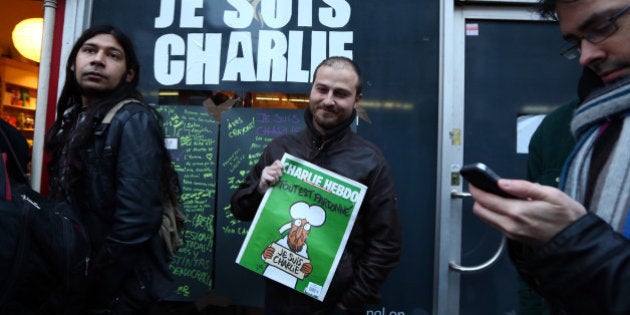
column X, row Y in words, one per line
column 71, row 92
column 63, row 136
column 341, row 62
column 547, row 8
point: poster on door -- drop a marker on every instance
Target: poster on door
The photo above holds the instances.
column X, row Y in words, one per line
column 301, row 227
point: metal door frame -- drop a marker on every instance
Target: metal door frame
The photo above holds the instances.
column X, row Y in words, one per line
column 448, row 226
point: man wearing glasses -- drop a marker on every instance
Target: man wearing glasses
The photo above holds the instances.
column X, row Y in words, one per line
column 573, row 244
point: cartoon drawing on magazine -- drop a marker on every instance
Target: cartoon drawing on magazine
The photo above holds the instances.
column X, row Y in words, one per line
column 287, row 258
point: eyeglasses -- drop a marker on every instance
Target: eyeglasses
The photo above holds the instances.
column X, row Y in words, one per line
column 595, row 35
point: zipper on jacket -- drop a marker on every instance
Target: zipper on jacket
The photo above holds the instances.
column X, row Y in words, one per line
column 87, row 265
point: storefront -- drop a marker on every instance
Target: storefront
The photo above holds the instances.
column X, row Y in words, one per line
column 20, row 36
column 212, row 64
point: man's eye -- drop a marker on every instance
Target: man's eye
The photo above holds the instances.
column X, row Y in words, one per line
column 572, row 41
column 603, row 28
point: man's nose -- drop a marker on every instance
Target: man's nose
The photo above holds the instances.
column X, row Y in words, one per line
column 328, row 99
column 590, row 53
column 98, row 57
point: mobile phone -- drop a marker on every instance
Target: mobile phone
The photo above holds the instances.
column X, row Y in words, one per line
column 482, row 177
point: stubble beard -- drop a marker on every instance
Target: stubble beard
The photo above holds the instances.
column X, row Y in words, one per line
column 325, row 120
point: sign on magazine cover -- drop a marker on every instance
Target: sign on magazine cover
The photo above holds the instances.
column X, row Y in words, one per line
column 301, row 228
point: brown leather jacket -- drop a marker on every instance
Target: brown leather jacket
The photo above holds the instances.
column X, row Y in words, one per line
column 374, row 246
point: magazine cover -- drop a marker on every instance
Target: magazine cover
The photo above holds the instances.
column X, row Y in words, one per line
column 301, row 227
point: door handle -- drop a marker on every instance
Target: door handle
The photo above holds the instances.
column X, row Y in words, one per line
column 462, row 269
column 459, row 195
column 455, row 194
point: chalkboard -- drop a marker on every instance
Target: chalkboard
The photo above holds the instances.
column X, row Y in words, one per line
column 244, row 133
column 400, row 96
column 191, row 137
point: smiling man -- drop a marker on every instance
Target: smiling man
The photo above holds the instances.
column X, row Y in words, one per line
column 373, row 249
column 572, row 245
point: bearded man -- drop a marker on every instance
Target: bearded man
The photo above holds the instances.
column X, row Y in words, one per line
column 374, row 246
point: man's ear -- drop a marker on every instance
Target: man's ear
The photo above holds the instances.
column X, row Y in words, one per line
column 130, row 75
column 357, row 99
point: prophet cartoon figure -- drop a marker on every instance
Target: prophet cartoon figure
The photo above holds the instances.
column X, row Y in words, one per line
column 290, row 252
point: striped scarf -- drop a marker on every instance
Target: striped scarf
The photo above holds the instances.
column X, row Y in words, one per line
column 610, row 199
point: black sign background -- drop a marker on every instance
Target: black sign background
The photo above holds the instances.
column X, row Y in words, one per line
column 397, row 45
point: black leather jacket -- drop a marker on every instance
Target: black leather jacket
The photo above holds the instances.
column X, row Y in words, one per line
column 122, row 200
column 374, row 246
column 583, row 269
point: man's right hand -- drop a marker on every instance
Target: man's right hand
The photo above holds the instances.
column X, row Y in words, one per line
column 270, row 176
column 268, row 252
column 542, row 212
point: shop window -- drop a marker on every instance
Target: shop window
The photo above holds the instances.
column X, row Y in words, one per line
column 228, row 99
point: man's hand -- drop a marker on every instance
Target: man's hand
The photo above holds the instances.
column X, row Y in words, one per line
column 542, row 212
column 270, row 176
column 268, row 252
column 307, row 268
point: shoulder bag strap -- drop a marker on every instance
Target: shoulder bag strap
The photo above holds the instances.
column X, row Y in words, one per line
column 112, row 112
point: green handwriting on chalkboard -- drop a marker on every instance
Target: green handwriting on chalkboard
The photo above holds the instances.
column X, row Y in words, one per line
column 183, row 290
column 247, row 132
column 192, row 137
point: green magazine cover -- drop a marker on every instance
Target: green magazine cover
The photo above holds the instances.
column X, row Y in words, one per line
column 302, row 226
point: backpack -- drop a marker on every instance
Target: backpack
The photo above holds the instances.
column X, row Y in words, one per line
column 173, row 219
column 44, row 250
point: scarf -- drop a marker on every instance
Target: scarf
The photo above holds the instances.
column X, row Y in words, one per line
column 610, row 198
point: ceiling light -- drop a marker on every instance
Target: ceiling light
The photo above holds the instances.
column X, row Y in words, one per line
column 27, row 38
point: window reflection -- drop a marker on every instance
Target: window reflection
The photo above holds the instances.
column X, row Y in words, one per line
column 228, row 99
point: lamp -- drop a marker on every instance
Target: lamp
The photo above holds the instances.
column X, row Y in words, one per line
column 27, row 38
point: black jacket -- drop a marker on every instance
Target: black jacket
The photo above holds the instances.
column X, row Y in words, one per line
column 121, row 199
column 583, row 269
column 374, row 246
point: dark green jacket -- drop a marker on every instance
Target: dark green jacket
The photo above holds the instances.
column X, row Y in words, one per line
column 549, row 147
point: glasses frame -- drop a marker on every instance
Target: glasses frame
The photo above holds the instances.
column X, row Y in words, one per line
column 571, row 49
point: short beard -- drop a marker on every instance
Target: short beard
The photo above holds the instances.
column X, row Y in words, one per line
column 296, row 239
column 323, row 123
column 610, row 64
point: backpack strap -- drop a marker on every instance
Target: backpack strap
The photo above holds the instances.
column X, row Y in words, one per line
column 107, row 120
column 112, row 112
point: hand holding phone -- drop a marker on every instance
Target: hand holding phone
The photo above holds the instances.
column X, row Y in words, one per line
column 482, row 177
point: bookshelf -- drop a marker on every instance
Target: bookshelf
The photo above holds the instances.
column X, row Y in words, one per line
column 18, row 92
